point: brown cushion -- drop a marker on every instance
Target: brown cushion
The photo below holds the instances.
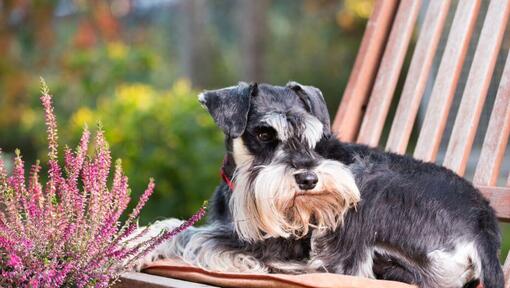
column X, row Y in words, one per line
column 180, row 270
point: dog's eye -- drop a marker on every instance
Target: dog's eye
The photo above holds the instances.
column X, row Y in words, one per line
column 266, row 134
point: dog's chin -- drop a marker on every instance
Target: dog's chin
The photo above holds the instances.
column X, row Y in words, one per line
column 314, row 210
column 296, row 216
column 271, row 206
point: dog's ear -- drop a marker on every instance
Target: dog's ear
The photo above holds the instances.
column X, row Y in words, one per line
column 229, row 107
column 314, row 102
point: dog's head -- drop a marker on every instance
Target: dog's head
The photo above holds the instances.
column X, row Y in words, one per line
column 282, row 187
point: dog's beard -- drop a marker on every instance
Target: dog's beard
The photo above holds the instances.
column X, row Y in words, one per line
column 271, row 205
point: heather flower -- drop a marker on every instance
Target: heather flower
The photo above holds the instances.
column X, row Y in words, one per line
column 67, row 232
column 14, row 261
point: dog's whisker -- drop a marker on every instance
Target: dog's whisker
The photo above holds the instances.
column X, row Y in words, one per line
column 241, row 220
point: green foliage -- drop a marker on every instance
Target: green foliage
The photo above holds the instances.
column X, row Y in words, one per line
column 97, row 70
column 160, row 134
column 505, row 245
column 80, row 77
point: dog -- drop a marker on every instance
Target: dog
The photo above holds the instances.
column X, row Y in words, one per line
column 294, row 199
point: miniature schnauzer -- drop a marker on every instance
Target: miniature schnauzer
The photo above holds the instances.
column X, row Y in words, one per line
column 294, row 199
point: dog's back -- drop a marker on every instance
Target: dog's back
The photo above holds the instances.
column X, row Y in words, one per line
column 426, row 224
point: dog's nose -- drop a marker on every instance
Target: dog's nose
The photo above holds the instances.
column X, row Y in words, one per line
column 306, row 180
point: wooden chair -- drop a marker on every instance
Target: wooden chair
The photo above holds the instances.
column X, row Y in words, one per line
column 367, row 99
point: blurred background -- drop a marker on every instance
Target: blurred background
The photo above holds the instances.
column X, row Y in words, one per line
column 138, row 65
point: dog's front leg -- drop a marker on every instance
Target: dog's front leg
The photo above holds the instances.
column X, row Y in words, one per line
column 205, row 247
column 213, row 247
column 166, row 249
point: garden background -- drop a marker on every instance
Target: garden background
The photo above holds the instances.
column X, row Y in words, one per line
column 138, row 65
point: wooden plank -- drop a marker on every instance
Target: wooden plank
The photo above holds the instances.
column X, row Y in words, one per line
column 499, row 197
column 350, row 111
column 389, row 71
column 144, row 280
column 446, row 80
column 498, row 131
column 477, row 85
column 417, row 75
column 506, row 270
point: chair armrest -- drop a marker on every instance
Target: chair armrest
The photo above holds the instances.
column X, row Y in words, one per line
column 143, row 280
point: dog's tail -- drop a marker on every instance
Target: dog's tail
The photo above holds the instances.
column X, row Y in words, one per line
column 488, row 243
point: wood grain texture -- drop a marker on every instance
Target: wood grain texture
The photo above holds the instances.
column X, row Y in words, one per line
column 389, row 71
column 496, row 137
column 477, row 85
column 417, row 75
column 144, row 280
column 177, row 269
column 446, row 80
column 506, row 271
column 348, row 117
column 499, row 197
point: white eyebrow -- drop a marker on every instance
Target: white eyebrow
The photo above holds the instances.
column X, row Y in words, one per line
column 279, row 122
column 312, row 128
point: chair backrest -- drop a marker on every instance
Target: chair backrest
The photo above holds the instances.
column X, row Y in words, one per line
column 366, row 102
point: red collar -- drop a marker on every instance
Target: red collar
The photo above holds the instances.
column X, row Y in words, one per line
column 225, row 177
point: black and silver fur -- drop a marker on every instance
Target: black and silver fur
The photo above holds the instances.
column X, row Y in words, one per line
column 356, row 210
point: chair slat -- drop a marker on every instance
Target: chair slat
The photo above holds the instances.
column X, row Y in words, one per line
column 349, row 114
column 446, row 80
column 498, row 131
column 144, row 280
column 477, row 85
column 417, row 75
column 506, row 271
column 389, row 71
column 499, row 198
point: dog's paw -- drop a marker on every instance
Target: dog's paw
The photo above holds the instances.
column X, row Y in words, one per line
column 160, row 251
column 143, row 262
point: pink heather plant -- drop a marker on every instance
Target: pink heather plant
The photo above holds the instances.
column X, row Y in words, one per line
column 67, row 232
